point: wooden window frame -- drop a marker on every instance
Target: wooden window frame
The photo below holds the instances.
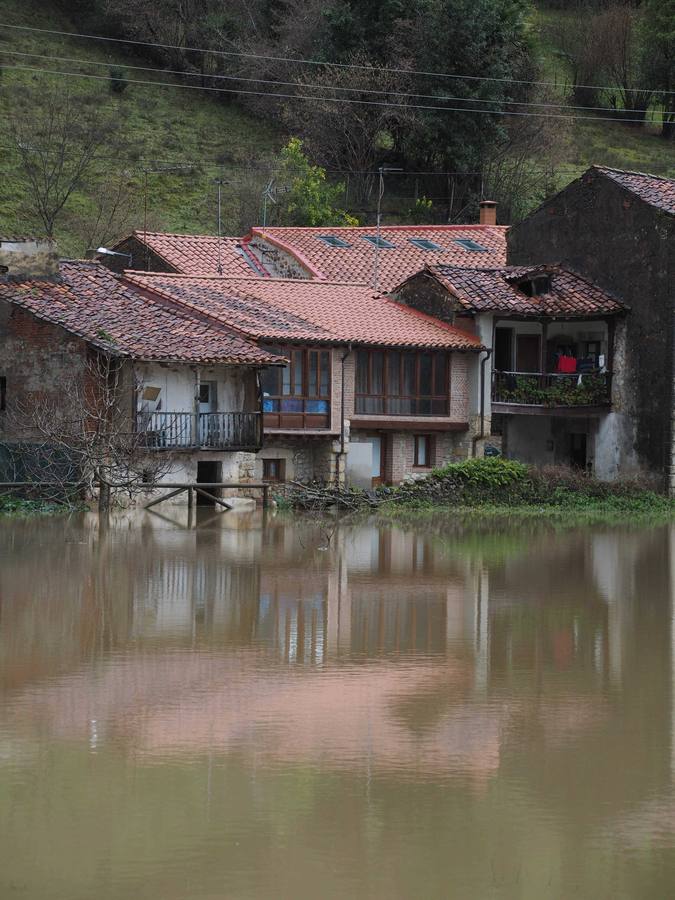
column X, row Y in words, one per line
column 304, row 417
column 429, row 464
column 388, row 399
column 278, row 462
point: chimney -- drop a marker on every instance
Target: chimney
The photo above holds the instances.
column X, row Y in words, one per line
column 22, row 258
column 488, row 212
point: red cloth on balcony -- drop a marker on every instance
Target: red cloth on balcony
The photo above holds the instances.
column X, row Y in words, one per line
column 567, row 365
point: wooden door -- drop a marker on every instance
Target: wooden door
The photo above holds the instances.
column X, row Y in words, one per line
column 377, row 470
column 528, row 352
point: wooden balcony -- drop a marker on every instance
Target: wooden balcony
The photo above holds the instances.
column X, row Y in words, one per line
column 203, row 431
column 549, row 392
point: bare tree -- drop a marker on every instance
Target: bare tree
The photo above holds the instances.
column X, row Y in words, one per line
column 351, row 137
column 84, row 436
column 520, row 172
column 58, row 147
column 115, row 206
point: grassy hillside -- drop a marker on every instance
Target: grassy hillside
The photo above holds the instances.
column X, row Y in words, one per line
column 167, row 126
column 603, row 143
column 163, row 127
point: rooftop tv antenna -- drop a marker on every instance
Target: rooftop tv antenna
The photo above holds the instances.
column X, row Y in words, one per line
column 380, row 195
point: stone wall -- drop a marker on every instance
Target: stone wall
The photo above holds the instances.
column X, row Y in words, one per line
column 278, row 262
column 38, row 361
column 21, row 258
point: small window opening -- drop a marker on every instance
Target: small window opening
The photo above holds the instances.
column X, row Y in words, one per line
column 423, row 450
column 274, row 470
column 380, row 242
column 3, row 393
column 333, row 241
column 424, row 244
column 534, row 287
column 468, row 244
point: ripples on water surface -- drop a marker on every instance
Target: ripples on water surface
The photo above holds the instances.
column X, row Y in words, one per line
column 239, row 711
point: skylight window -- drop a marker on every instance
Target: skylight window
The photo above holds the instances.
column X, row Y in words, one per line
column 468, row 244
column 423, row 244
column 333, row 241
column 379, row 242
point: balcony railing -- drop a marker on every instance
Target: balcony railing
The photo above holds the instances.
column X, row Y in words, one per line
column 205, row 431
column 551, row 389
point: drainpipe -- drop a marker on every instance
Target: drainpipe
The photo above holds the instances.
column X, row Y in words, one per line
column 344, row 358
column 195, row 417
column 488, row 354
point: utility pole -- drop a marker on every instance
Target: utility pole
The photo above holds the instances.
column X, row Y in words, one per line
column 220, row 182
column 380, row 195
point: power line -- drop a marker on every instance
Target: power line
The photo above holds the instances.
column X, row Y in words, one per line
column 309, row 62
column 343, row 100
column 300, row 84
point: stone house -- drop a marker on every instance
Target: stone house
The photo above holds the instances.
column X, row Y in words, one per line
column 550, row 384
column 370, row 391
column 617, row 229
column 191, row 386
column 190, row 254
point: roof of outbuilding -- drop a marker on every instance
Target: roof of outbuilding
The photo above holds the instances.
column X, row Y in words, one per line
column 356, row 262
column 496, row 290
column 198, row 254
column 308, row 311
column 653, row 189
column 92, row 303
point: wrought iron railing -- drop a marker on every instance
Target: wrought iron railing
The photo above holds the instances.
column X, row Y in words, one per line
column 208, row 431
column 552, row 389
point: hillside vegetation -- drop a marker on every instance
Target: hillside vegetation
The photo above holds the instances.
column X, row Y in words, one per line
column 160, row 148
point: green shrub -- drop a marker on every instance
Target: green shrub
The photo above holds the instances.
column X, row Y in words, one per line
column 118, row 80
column 494, row 471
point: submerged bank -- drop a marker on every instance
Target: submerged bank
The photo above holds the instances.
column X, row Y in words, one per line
column 496, row 488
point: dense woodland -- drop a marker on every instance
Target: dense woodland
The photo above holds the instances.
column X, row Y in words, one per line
column 479, row 92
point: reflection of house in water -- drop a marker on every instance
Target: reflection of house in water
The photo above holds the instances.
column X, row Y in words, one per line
column 463, row 660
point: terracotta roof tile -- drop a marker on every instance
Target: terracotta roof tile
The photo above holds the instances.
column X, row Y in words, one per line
column 325, row 312
column 653, row 189
column 197, row 254
column 356, row 262
column 496, row 290
column 94, row 304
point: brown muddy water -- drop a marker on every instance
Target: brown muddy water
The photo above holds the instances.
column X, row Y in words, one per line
column 249, row 710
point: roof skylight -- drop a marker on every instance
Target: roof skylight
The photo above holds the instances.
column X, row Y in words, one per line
column 424, row 244
column 379, row 242
column 333, row 241
column 468, row 244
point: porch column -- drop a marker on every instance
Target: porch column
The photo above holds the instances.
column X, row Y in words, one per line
column 194, row 419
column 542, row 348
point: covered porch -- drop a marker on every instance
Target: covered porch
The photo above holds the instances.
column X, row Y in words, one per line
column 551, row 364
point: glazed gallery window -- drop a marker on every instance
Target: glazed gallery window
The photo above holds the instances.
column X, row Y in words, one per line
column 297, row 395
column 398, row 383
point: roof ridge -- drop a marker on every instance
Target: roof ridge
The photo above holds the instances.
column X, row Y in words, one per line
column 328, row 228
column 255, row 279
column 215, row 237
column 602, row 168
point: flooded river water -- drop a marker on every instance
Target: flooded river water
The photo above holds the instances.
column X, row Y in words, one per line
column 279, row 710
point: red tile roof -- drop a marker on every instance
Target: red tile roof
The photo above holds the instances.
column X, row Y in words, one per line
column 653, row 189
column 92, row 303
column 496, row 290
column 314, row 311
column 197, row 254
column 356, row 262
